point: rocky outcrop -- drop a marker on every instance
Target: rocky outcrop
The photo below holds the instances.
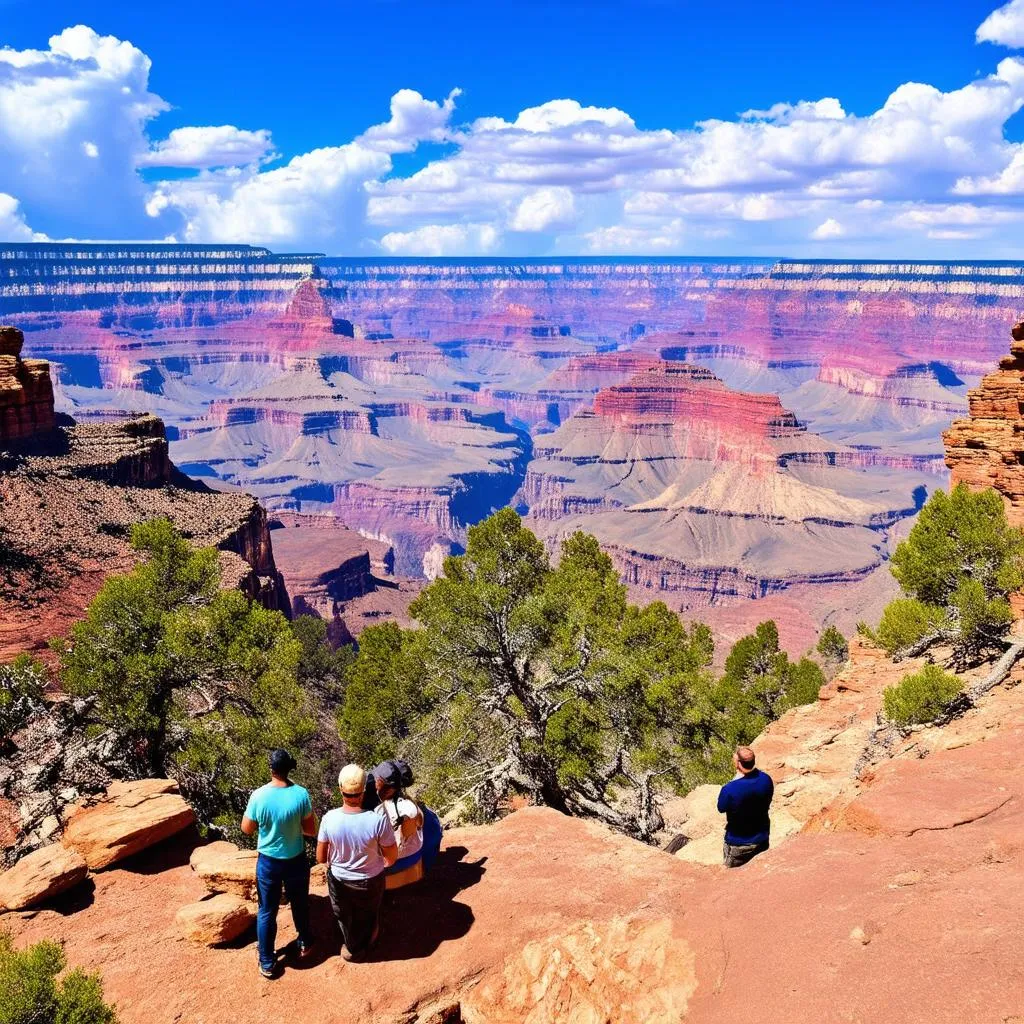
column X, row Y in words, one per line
column 26, row 393
column 216, row 920
column 130, row 818
column 53, row 763
column 68, row 503
column 41, row 876
column 224, row 868
column 987, row 448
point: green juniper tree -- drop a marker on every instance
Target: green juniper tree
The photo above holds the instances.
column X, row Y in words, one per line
column 528, row 678
column 957, row 569
column 21, row 690
column 199, row 681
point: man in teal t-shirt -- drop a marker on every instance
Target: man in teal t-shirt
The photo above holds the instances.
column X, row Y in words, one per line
column 282, row 813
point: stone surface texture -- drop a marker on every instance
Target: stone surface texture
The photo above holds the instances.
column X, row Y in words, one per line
column 41, row 875
column 130, row 818
column 215, row 920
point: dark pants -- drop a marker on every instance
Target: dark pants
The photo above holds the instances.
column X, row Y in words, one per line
column 356, row 907
column 737, row 856
column 271, row 874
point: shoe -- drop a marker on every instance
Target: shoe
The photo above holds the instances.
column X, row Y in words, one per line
column 303, row 948
column 347, row 954
column 267, row 972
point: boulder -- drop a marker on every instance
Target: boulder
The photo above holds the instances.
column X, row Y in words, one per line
column 41, row 875
column 218, row 919
column 223, row 867
column 130, row 818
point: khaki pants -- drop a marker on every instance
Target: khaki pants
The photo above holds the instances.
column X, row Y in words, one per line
column 737, row 856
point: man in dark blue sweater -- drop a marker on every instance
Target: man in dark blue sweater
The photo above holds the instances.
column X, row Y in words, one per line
column 745, row 802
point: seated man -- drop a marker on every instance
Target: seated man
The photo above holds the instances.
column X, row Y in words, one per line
column 282, row 813
column 745, row 802
column 358, row 846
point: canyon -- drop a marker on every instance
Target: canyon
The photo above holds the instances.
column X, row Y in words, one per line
column 408, row 398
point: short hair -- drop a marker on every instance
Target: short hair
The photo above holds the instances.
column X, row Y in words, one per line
column 352, row 780
column 281, row 763
column 745, row 756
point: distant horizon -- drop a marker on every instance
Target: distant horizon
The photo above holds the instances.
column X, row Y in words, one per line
column 510, row 258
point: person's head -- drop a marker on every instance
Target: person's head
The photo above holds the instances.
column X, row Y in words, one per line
column 281, row 763
column 744, row 760
column 387, row 779
column 352, row 783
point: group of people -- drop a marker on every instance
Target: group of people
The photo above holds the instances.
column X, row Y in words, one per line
column 377, row 839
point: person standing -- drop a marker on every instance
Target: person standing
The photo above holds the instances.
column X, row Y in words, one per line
column 282, row 813
column 407, row 822
column 359, row 846
column 745, row 803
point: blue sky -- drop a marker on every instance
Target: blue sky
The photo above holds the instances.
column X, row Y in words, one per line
column 278, row 104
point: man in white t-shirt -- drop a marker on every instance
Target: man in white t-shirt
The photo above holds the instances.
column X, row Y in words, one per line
column 405, row 816
column 358, row 846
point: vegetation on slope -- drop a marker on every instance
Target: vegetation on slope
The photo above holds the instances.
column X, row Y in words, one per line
column 527, row 678
column 199, row 681
column 957, row 569
column 30, row 992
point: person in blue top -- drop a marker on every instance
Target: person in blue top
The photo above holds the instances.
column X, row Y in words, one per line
column 745, row 802
column 282, row 814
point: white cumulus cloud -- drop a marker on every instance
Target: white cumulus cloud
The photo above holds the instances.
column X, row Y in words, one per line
column 1004, row 26
column 930, row 171
column 212, row 146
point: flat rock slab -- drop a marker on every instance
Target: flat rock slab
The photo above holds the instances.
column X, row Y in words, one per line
column 223, row 867
column 218, row 919
column 40, row 876
column 131, row 817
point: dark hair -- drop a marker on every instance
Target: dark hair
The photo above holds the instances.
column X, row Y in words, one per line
column 281, row 763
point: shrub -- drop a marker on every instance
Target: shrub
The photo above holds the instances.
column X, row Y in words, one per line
column 201, row 680
column 905, row 621
column 832, row 645
column 21, row 688
column 957, row 567
column 920, row 697
column 31, row 994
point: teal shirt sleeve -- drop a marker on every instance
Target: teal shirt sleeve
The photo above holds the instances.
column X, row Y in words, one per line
column 307, row 805
column 250, row 807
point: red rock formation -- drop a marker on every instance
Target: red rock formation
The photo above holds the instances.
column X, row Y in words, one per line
column 67, row 506
column 26, row 394
column 987, row 448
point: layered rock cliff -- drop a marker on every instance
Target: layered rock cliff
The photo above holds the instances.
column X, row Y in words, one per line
column 69, row 496
column 987, row 448
column 26, row 393
column 411, row 397
column 708, row 496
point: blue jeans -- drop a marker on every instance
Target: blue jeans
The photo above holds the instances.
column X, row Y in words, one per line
column 271, row 874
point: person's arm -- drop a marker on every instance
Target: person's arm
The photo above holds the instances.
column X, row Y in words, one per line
column 386, row 840
column 322, row 850
column 723, row 800
column 249, row 823
column 309, row 820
